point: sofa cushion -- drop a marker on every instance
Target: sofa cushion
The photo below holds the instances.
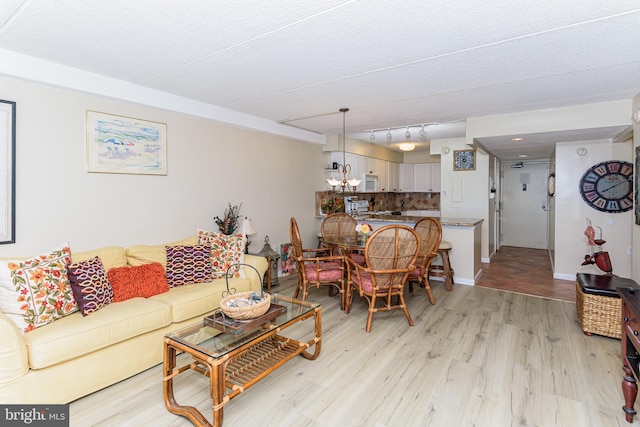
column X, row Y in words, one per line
column 226, row 250
column 36, row 291
column 142, row 254
column 144, row 281
column 110, row 256
column 197, row 299
column 188, row 264
column 74, row 335
column 90, row 285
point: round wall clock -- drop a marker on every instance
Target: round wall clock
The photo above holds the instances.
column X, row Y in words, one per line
column 608, row 186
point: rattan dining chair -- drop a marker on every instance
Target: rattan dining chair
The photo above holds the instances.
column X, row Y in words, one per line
column 316, row 267
column 390, row 254
column 340, row 224
column 430, row 232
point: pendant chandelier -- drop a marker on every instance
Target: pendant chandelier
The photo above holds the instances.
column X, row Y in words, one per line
column 344, row 183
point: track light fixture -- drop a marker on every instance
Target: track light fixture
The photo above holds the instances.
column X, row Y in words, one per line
column 407, row 134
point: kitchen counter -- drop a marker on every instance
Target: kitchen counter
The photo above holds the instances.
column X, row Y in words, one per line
column 409, row 219
column 464, row 234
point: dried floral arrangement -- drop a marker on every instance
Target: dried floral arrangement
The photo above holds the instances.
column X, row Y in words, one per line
column 229, row 223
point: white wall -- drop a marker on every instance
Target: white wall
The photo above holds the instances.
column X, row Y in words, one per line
column 209, row 165
column 571, row 211
column 615, row 113
column 463, row 194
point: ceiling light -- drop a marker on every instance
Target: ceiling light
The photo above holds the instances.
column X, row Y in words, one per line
column 407, row 146
column 423, row 134
column 388, row 134
column 523, row 156
column 518, row 139
column 345, row 182
column 407, row 134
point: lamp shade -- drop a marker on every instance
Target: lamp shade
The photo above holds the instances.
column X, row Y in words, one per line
column 247, row 227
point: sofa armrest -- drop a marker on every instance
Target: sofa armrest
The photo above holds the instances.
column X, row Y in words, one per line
column 260, row 264
column 14, row 359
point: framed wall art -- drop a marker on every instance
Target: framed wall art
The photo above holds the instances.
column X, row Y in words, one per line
column 464, row 160
column 118, row 144
column 637, row 179
column 286, row 259
column 7, row 171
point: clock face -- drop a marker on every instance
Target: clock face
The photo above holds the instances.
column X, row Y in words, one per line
column 608, row 186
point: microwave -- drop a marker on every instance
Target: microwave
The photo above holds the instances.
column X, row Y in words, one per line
column 370, row 183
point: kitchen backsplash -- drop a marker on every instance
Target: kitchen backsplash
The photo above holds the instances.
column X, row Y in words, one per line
column 380, row 201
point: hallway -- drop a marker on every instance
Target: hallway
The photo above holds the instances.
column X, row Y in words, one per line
column 526, row 271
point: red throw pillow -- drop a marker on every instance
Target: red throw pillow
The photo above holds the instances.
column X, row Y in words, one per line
column 137, row 281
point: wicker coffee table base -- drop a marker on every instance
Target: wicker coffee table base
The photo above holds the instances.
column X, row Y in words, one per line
column 238, row 370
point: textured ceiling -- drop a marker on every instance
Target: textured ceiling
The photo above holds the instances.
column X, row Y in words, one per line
column 392, row 63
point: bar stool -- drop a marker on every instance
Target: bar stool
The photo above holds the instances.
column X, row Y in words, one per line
column 445, row 269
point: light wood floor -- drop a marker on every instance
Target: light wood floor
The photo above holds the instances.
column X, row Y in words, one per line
column 479, row 357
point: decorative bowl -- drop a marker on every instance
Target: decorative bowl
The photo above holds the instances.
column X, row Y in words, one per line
column 244, row 310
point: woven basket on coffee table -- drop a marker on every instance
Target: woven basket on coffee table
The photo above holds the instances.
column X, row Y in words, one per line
column 249, row 312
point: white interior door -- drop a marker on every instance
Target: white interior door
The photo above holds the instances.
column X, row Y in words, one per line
column 524, row 205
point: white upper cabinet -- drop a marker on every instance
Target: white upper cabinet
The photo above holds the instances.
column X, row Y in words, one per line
column 393, row 171
column 392, row 177
column 420, row 177
column 436, row 180
column 405, row 177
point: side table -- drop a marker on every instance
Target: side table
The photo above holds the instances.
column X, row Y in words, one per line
column 630, row 348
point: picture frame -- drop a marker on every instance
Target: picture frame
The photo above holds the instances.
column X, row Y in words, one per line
column 7, row 171
column 125, row 145
column 464, row 160
column 635, row 194
column 287, row 265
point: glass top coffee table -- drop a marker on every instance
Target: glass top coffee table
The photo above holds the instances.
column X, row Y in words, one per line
column 236, row 357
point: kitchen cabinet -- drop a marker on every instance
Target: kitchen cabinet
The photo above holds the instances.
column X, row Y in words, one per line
column 393, row 170
column 434, row 173
column 419, row 177
column 405, row 177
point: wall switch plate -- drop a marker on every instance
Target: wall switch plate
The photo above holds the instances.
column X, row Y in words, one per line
column 629, row 250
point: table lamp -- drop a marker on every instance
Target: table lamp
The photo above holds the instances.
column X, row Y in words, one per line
column 247, row 230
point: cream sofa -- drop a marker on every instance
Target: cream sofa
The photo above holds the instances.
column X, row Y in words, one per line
column 75, row 355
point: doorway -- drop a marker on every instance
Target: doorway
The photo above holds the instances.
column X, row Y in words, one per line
column 524, row 207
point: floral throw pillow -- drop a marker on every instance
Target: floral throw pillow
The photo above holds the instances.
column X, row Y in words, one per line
column 36, row 291
column 226, row 250
column 188, row 264
column 90, row 285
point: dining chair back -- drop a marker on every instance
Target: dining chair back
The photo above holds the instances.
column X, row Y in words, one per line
column 340, row 224
column 390, row 254
column 430, row 232
column 316, row 267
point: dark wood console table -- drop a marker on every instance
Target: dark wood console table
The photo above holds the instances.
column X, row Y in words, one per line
column 630, row 348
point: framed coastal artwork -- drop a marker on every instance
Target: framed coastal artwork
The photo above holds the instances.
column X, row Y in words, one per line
column 119, row 144
column 286, row 259
column 7, row 171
